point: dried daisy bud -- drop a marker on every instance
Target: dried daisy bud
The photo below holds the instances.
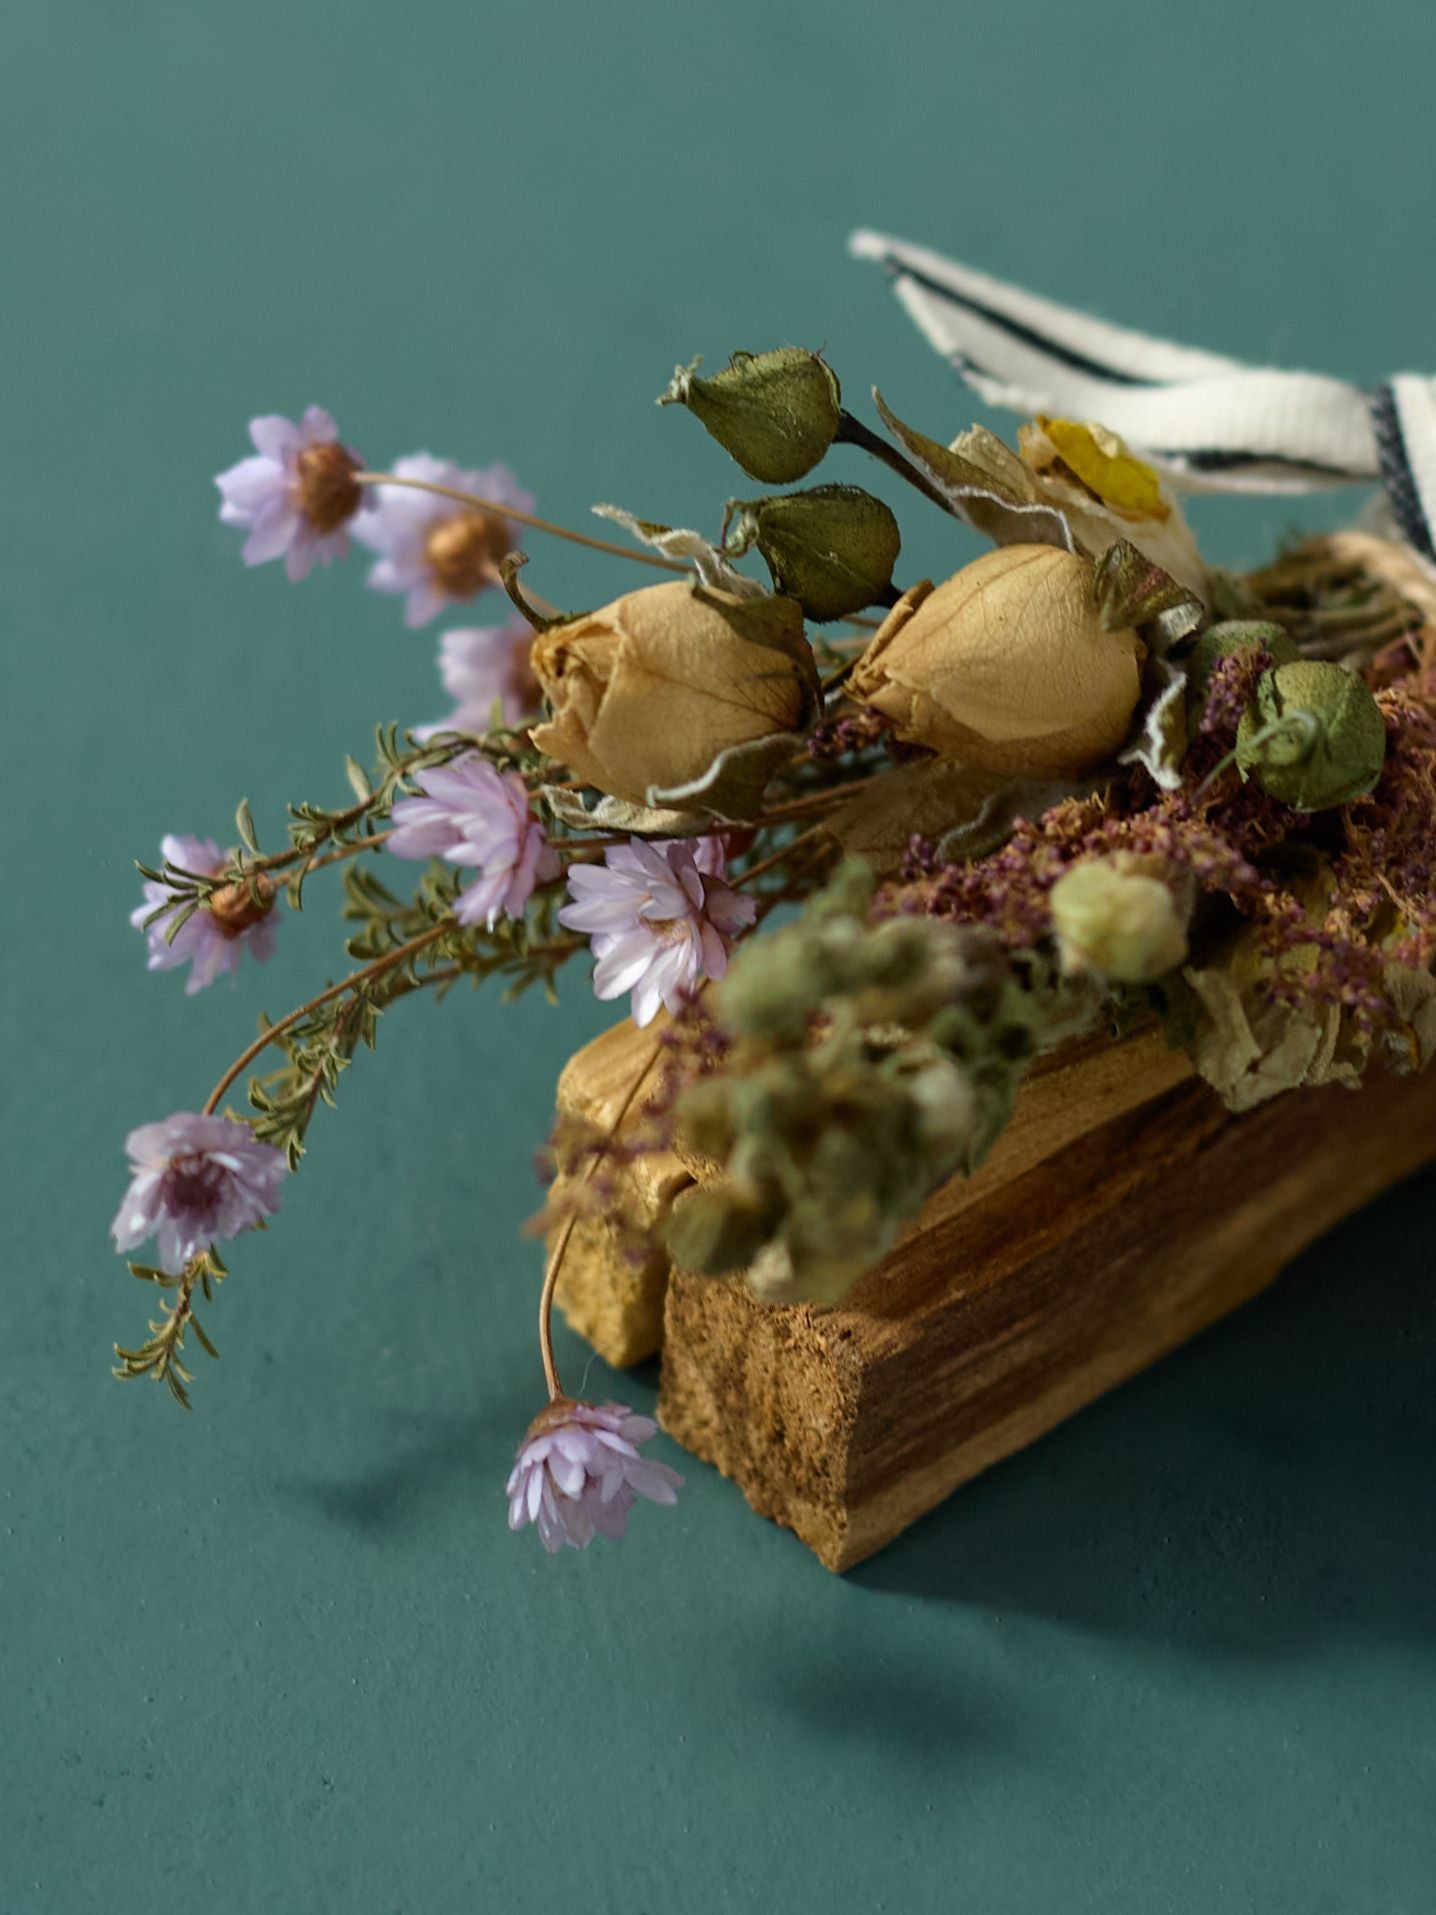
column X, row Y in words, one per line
column 648, row 691
column 1117, row 916
column 1006, row 667
column 832, row 548
column 775, row 412
column 1313, row 736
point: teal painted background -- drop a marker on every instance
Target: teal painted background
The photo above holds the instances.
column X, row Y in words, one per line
column 282, row 1655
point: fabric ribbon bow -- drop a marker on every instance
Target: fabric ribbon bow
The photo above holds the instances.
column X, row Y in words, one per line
column 1214, row 424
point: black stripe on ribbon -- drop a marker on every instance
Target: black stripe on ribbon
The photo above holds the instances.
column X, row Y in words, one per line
column 1396, row 473
column 1015, row 329
column 1198, row 459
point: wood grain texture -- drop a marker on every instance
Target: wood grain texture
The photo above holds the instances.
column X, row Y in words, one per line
column 1123, row 1210
column 610, row 1295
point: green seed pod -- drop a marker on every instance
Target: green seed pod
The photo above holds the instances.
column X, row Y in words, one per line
column 1221, row 641
column 1313, row 736
column 832, row 548
column 775, row 412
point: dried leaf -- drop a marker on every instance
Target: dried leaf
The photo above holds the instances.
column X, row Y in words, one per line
column 619, row 815
column 988, row 491
column 674, row 542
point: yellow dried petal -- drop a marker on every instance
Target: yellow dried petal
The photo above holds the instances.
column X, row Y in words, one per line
column 1104, row 465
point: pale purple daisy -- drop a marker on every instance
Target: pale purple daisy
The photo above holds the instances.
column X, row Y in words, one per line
column 483, row 667
column 435, row 551
column 212, row 938
column 659, row 918
column 295, row 498
column 197, row 1180
column 579, row 1473
column 472, row 814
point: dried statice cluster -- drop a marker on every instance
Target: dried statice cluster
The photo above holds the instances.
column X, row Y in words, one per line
column 1085, row 769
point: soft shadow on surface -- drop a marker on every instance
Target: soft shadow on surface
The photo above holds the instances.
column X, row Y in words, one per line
column 417, row 1472
column 1266, row 1486
column 427, row 1458
column 866, row 1701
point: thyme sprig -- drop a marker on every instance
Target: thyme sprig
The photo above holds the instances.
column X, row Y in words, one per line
column 160, row 1356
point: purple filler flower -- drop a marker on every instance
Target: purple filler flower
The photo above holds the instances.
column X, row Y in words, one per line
column 197, row 1180
column 471, row 814
column 209, row 941
column 659, row 917
column 435, row 551
column 484, row 666
column 297, row 496
column 579, row 1473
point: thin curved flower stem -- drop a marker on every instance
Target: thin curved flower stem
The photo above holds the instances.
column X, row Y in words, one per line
column 779, row 857
column 565, row 1235
column 499, row 511
column 371, row 843
column 353, row 982
column 853, row 432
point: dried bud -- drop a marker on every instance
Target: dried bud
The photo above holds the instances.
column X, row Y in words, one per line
column 325, row 488
column 1221, row 641
column 648, row 691
column 237, row 908
column 1116, row 915
column 1006, row 667
column 775, row 412
column 1313, row 736
column 832, row 548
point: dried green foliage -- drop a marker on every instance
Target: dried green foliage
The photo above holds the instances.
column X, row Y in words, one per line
column 867, row 1063
column 160, row 1357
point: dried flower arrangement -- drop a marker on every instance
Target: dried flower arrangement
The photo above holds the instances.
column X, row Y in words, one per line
column 1089, row 780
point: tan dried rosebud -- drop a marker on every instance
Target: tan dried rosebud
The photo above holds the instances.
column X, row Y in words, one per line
column 1119, row 916
column 1006, row 666
column 648, row 691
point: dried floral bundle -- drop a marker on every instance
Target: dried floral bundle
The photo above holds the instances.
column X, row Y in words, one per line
column 1089, row 779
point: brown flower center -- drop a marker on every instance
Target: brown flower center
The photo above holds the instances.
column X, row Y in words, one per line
column 235, row 908
column 325, row 487
column 463, row 552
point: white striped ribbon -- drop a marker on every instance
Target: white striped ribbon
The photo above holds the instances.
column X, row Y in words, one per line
column 1214, row 424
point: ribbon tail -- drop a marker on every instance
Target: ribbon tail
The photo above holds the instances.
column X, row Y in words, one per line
column 1212, row 423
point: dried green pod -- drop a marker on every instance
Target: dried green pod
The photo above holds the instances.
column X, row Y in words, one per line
column 1313, row 736
column 775, row 412
column 1221, row 641
column 832, row 548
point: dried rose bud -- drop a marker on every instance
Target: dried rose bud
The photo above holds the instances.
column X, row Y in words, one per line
column 832, row 548
column 647, row 691
column 775, row 412
column 1313, row 736
column 1006, row 667
column 1118, row 916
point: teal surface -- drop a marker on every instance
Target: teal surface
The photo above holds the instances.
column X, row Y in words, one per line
column 282, row 1655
